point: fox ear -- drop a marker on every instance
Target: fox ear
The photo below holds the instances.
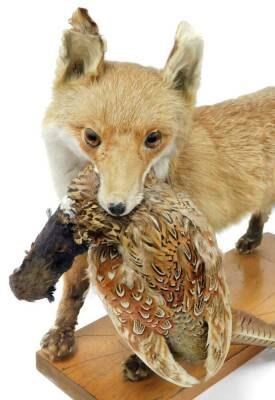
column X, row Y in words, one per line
column 183, row 66
column 82, row 49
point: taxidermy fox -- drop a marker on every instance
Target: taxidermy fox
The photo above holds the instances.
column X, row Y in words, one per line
column 128, row 119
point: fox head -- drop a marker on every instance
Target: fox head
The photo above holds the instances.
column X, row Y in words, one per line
column 124, row 118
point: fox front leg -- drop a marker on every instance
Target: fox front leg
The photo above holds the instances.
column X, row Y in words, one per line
column 59, row 341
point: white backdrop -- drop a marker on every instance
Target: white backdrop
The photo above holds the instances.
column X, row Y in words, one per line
column 239, row 58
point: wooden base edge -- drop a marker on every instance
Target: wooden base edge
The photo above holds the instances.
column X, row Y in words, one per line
column 61, row 380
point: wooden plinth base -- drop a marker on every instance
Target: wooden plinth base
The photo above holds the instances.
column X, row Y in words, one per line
column 94, row 371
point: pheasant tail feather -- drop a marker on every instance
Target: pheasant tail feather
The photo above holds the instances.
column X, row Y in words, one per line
column 248, row 329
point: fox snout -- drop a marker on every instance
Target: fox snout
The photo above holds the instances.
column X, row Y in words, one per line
column 119, row 204
column 122, row 173
column 117, row 208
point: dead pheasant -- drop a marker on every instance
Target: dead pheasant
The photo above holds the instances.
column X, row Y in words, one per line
column 158, row 270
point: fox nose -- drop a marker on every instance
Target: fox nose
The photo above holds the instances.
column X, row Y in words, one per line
column 117, row 209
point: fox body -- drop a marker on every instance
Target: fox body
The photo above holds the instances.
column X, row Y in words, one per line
column 128, row 119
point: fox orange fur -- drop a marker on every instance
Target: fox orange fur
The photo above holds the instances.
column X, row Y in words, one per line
column 127, row 119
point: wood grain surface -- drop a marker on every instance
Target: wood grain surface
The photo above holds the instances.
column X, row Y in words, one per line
column 94, row 371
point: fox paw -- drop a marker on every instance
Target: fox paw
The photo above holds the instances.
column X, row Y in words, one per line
column 246, row 244
column 58, row 343
column 134, row 369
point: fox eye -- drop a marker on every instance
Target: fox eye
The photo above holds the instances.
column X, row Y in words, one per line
column 91, row 137
column 153, row 139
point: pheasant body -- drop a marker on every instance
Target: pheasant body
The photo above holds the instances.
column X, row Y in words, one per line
column 158, row 270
